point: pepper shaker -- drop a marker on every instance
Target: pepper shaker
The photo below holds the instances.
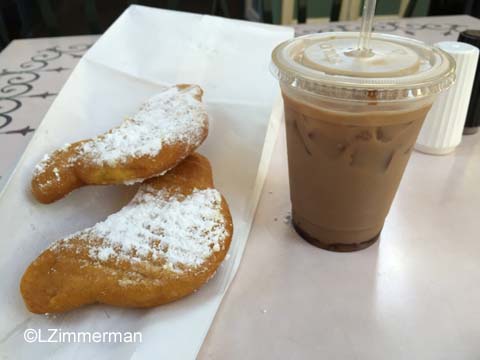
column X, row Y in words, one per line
column 472, row 123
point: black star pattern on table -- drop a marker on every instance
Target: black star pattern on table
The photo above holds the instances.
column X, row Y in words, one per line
column 44, row 95
column 59, row 69
column 23, row 131
column 16, row 85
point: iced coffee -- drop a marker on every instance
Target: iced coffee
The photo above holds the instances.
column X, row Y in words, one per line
column 351, row 125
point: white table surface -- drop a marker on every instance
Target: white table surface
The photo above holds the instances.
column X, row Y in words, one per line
column 413, row 295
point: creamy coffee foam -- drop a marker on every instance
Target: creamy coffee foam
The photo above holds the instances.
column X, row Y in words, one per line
column 338, row 57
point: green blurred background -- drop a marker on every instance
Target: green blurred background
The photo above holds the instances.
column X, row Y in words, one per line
column 321, row 8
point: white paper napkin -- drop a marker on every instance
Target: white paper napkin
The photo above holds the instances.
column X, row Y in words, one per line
column 142, row 51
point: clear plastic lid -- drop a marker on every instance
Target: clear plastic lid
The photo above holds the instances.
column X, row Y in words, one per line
column 397, row 68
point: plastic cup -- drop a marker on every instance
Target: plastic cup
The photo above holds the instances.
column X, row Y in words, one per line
column 351, row 124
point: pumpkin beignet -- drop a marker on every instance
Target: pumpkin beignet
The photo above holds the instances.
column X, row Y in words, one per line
column 167, row 128
column 163, row 245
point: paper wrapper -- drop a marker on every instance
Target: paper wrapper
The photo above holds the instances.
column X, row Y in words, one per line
column 144, row 50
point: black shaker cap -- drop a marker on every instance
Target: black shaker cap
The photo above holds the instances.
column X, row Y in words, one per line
column 471, row 37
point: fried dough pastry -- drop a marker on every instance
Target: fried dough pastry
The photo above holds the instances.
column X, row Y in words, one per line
column 166, row 129
column 166, row 243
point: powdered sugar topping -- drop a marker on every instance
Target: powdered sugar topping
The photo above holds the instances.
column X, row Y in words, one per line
column 172, row 116
column 155, row 225
column 41, row 166
column 46, row 164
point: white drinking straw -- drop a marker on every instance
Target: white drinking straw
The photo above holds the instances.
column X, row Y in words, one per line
column 366, row 29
